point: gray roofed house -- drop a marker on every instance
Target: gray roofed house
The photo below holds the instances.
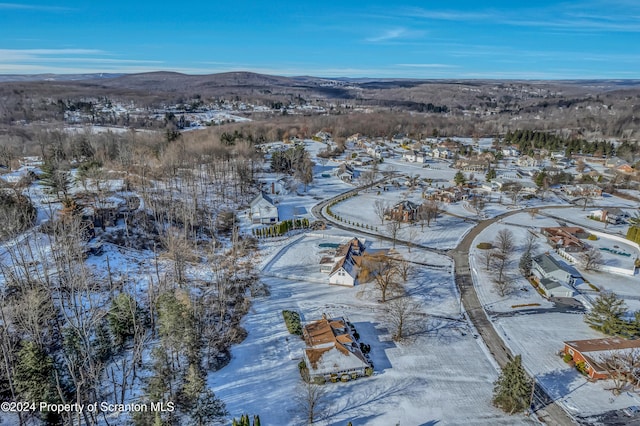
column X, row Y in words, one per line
column 263, row 209
column 555, row 278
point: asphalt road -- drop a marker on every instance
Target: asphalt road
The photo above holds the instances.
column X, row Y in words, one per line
column 545, row 408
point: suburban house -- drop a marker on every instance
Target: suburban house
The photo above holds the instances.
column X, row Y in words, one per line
column 612, row 215
column 449, row 195
column 414, row 157
column 439, row 152
column 263, row 209
column 404, row 211
column 625, row 168
column 527, row 161
column 510, row 151
column 582, row 190
column 553, row 288
column 332, row 351
column 552, row 276
column 472, row 165
column 591, row 351
column 565, row 238
column 343, row 268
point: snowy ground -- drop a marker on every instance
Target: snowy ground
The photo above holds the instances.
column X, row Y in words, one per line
column 538, row 334
column 443, row 233
column 441, row 375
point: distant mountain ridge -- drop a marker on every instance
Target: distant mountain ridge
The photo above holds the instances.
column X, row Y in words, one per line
column 247, row 78
column 56, row 77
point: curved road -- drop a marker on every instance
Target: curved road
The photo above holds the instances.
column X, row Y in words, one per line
column 550, row 413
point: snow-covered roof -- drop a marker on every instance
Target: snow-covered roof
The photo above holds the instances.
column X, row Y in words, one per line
column 331, row 347
column 261, row 196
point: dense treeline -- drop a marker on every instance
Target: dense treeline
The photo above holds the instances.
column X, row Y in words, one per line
column 530, row 140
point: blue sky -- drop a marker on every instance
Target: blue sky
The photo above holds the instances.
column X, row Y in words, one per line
column 404, row 39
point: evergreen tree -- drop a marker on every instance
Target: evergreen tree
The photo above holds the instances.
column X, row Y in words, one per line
column 540, row 179
column 56, row 181
column 123, row 316
column 525, row 263
column 256, row 420
column 459, row 178
column 34, row 378
column 512, row 390
column 209, row 410
column 607, row 315
column 491, row 174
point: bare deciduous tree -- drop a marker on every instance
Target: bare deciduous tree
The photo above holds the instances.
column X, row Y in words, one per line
column 591, row 259
column 478, row 202
column 504, row 245
column 530, row 242
column 393, row 226
column 385, row 273
column 311, row 400
column 502, row 285
column 404, row 269
column 401, row 313
column 412, row 236
column 380, row 208
column 485, row 256
column 622, row 367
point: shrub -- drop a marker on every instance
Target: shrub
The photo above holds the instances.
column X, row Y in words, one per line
column 368, row 371
column 581, row 366
column 567, row 358
column 592, row 237
column 292, row 320
column 525, row 305
column 485, row 246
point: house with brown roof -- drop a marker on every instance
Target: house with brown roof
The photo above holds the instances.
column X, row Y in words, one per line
column 592, row 351
column 332, row 350
column 449, row 195
column 566, row 238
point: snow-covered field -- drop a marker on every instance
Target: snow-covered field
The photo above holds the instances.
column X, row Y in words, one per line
column 539, row 335
column 443, row 233
column 441, row 375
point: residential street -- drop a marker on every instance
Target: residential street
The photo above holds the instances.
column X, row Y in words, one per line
column 546, row 410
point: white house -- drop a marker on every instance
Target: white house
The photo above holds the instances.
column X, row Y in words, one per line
column 555, row 289
column 611, row 215
column 527, row 161
column 545, row 266
column 414, row 156
column 263, row 209
column 375, row 151
column 510, row 151
column 346, row 267
column 441, row 153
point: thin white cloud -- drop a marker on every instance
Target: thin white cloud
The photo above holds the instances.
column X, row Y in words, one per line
column 20, row 6
column 395, row 34
column 59, row 61
column 451, row 15
column 34, row 54
column 587, row 17
column 427, row 65
column 387, row 35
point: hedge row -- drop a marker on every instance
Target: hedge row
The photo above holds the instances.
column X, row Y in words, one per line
column 292, row 320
